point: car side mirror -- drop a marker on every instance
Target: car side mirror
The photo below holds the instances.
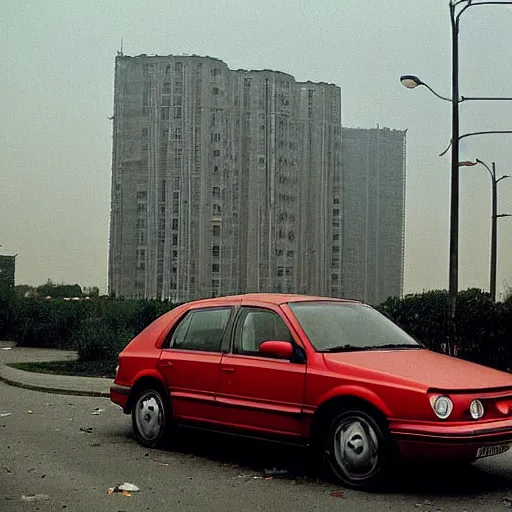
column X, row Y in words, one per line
column 279, row 349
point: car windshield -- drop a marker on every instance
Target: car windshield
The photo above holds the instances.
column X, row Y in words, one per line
column 340, row 327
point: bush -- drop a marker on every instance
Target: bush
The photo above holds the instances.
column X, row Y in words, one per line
column 97, row 341
column 481, row 332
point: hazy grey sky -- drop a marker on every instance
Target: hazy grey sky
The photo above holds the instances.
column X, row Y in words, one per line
column 57, row 89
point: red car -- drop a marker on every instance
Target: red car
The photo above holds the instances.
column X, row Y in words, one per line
column 334, row 374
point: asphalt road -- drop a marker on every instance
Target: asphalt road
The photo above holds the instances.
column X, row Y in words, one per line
column 48, row 463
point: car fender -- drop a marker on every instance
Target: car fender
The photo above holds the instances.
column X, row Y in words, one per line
column 151, row 373
column 358, row 392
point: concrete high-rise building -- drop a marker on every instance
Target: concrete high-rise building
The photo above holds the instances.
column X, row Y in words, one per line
column 373, row 163
column 223, row 181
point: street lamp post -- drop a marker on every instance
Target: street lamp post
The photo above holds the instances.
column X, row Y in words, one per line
column 494, row 225
column 410, row 82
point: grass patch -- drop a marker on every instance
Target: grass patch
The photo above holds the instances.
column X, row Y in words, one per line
column 73, row 368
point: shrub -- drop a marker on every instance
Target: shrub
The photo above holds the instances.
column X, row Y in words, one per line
column 481, row 331
column 97, row 341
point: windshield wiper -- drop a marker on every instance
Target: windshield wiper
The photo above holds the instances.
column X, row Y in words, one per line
column 354, row 348
column 392, row 345
column 344, row 348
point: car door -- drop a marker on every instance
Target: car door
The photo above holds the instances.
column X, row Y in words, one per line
column 256, row 391
column 190, row 360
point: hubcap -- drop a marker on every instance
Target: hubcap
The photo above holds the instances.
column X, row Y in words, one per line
column 149, row 415
column 356, row 448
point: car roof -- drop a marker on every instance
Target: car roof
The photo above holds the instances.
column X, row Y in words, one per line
column 269, row 298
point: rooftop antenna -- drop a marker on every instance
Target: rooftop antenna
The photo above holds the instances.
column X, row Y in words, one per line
column 121, row 51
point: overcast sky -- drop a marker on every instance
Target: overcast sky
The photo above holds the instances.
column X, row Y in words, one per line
column 57, row 63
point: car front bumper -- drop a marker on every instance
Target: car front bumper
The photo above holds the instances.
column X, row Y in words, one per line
column 463, row 440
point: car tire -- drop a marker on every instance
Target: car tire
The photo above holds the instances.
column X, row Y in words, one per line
column 358, row 450
column 151, row 418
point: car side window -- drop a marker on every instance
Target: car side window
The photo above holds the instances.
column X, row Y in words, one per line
column 255, row 326
column 201, row 330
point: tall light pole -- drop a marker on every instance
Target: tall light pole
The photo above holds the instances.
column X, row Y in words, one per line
column 457, row 7
column 494, row 223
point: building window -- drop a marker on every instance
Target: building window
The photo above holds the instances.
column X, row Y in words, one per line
column 216, row 152
column 290, row 254
column 144, row 132
column 174, row 239
column 215, row 168
column 216, row 192
column 164, row 112
column 178, row 67
column 335, row 237
column 175, row 224
column 176, row 134
column 336, row 248
column 216, row 251
column 215, row 267
column 215, row 137
column 142, row 194
column 216, row 230
column 280, row 271
column 166, row 88
column 141, row 208
column 215, row 90
column 216, row 209
column 177, row 112
column 336, row 200
column 336, row 212
column 289, row 271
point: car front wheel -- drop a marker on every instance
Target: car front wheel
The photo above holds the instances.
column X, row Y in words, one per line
column 150, row 418
column 358, row 450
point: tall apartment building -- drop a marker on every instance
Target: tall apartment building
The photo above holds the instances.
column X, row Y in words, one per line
column 373, row 164
column 223, row 181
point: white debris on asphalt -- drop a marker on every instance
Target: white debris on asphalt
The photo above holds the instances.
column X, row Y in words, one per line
column 35, row 497
column 128, row 487
column 4, row 414
column 125, row 489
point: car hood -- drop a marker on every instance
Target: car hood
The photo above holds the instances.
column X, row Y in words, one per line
column 421, row 367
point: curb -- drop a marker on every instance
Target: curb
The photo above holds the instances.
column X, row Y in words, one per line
column 12, row 380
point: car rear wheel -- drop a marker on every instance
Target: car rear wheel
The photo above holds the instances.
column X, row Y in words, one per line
column 151, row 417
column 358, row 449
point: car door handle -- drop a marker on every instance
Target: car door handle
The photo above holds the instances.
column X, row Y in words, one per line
column 166, row 363
column 228, row 369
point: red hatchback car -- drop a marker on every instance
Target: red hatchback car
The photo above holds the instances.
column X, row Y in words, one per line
column 330, row 373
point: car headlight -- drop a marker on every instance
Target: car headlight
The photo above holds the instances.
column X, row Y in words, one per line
column 442, row 406
column 476, row 409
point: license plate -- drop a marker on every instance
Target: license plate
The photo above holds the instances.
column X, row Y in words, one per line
column 488, row 451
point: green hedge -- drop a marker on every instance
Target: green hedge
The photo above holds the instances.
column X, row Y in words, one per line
column 481, row 332
column 99, row 328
